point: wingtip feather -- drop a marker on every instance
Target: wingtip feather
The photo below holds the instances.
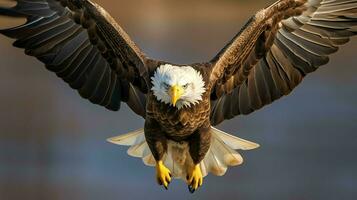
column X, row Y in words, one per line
column 10, row 12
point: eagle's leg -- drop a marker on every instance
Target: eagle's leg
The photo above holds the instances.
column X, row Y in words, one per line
column 199, row 144
column 158, row 145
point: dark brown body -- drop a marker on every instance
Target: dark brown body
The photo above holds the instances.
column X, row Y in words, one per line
column 164, row 122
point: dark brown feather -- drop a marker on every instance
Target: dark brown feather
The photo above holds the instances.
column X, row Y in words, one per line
column 82, row 44
column 273, row 52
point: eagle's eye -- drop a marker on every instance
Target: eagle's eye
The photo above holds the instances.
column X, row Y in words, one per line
column 185, row 86
column 166, row 86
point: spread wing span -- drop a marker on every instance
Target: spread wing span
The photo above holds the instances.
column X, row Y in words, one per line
column 83, row 45
column 275, row 50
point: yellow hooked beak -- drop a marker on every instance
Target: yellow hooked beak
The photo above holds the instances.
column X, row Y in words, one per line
column 176, row 92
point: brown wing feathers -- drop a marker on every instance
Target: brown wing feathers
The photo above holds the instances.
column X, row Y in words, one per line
column 281, row 56
column 84, row 46
column 233, row 65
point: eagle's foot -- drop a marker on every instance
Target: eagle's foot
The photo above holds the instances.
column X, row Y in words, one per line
column 163, row 175
column 194, row 179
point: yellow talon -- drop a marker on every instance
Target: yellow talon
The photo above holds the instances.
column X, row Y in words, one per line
column 163, row 175
column 194, row 179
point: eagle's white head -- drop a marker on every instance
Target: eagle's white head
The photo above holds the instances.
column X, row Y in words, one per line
column 178, row 86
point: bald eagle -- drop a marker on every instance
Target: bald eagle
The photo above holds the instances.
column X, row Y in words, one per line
column 282, row 43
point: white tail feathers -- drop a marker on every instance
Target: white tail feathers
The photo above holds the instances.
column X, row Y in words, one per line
column 233, row 141
column 138, row 146
column 219, row 157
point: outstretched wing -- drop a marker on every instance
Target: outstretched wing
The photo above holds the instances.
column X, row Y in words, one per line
column 276, row 49
column 83, row 45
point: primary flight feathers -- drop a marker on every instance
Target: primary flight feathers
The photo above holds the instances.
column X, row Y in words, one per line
column 267, row 59
column 83, row 45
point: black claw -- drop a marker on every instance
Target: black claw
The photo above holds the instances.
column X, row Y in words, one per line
column 187, row 177
column 191, row 189
column 170, row 174
column 166, row 188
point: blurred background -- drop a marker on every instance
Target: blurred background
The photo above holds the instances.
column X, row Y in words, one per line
column 53, row 143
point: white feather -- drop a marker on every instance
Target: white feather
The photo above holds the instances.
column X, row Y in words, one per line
column 225, row 154
column 214, row 162
column 129, row 139
column 139, row 150
column 175, row 75
column 149, row 160
column 219, row 157
column 233, row 141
